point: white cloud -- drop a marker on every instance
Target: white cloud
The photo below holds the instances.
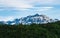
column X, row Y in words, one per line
column 6, row 18
column 44, row 1
column 15, row 3
column 44, row 8
column 24, row 4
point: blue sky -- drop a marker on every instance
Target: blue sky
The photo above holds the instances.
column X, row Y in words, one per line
column 10, row 9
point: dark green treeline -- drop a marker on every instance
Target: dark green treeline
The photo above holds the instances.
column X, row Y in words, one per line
column 49, row 30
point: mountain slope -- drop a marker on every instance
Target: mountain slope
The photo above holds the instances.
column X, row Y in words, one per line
column 38, row 19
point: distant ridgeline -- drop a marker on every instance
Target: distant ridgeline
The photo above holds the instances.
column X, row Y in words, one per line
column 37, row 19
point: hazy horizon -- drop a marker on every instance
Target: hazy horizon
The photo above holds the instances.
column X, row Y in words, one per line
column 10, row 9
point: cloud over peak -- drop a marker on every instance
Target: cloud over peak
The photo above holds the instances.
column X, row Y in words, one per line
column 26, row 7
column 15, row 3
column 25, row 4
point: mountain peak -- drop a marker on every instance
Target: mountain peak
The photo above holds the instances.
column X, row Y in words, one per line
column 38, row 19
column 42, row 15
column 37, row 14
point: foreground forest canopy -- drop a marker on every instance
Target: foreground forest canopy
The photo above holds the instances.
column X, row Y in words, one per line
column 49, row 30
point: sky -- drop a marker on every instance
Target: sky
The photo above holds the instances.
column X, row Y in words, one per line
column 11, row 9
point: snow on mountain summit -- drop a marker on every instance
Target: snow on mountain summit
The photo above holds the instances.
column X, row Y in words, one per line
column 38, row 19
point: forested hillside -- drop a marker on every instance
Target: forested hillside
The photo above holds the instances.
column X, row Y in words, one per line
column 49, row 30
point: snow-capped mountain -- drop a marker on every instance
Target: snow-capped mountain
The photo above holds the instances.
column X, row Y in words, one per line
column 38, row 19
